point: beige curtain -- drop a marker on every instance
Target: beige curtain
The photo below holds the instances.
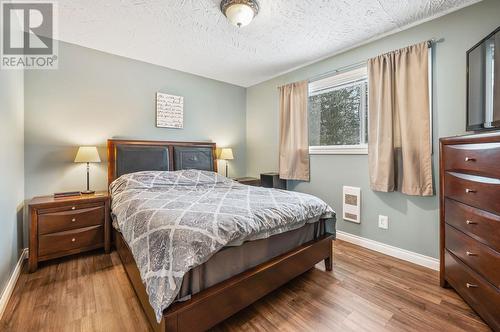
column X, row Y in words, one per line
column 399, row 147
column 294, row 145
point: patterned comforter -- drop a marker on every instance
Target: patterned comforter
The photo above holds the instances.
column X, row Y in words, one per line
column 175, row 221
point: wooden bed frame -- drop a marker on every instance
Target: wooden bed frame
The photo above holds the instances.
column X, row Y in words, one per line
column 212, row 305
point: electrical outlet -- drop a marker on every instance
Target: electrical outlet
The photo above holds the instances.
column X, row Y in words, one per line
column 383, row 222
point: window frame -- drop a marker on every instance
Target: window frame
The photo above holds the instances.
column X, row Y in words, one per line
column 339, row 80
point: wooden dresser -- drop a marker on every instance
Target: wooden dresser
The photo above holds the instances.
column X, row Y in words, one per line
column 65, row 226
column 470, row 221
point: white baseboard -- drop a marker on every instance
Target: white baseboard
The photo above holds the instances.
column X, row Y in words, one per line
column 406, row 255
column 9, row 288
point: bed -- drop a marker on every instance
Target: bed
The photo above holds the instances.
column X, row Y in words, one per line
column 207, row 289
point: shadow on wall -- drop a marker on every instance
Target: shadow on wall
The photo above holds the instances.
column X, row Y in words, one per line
column 24, row 224
column 57, row 157
column 65, row 155
column 398, row 202
column 20, row 228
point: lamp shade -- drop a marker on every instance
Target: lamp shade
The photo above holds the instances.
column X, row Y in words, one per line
column 226, row 154
column 87, row 154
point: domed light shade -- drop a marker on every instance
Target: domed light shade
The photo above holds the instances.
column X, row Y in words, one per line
column 240, row 12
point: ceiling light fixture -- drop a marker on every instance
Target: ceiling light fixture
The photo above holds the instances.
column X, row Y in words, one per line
column 240, row 12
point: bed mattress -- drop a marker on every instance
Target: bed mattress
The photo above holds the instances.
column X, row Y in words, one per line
column 246, row 256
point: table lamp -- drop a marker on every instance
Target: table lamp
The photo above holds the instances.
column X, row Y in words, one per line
column 87, row 154
column 226, row 154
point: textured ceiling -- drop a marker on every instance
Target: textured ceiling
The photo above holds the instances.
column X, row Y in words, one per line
column 194, row 36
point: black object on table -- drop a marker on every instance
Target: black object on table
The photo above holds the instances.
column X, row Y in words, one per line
column 272, row 180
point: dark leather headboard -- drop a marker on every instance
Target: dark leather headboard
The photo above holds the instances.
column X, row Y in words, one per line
column 132, row 158
column 128, row 156
column 193, row 157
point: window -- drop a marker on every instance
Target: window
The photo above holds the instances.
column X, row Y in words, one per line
column 338, row 113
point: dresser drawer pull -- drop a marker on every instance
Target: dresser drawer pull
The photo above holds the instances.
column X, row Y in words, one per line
column 469, row 159
column 468, row 253
column 73, row 207
column 73, row 240
column 470, row 191
column 73, row 220
column 471, row 285
column 470, row 222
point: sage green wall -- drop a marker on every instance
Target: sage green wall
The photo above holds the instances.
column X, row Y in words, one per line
column 413, row 221
column 11, row 171
column 94, row 96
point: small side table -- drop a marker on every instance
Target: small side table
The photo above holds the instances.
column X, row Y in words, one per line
column 65, row 226
column 248, row 181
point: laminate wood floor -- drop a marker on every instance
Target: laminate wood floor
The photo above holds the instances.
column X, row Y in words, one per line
column 366, row 291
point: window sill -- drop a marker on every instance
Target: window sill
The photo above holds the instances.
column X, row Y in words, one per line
column 339, row 149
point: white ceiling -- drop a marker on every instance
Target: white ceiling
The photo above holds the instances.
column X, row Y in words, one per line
column 194, row 36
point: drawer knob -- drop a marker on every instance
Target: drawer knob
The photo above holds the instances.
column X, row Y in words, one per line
column 469, row 191
column 469, row 159
column 468, row 253
column 73, row 207
column 73, row 220
column 73, row 240
column 469, row 285
column 470, row 222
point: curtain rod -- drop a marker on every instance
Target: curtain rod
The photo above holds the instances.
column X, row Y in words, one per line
column 430, row 43
column 336, row 71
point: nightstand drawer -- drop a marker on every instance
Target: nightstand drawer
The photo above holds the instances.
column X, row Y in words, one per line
column 69, row 207
column 70, row 219
column 80, row 238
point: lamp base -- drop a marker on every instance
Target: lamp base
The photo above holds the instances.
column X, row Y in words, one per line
column 88, row 192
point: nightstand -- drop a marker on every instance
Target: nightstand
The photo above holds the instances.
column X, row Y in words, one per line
column 65, row 226
column 248, row 181
column 272, row 180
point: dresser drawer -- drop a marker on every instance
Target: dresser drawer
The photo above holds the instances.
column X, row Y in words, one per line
column 476, row 255
column 70, row 207
column 80, row 238
column 481, row 225
column 476, row 291
column 70, row 219
column 473, row 190
column 482, row 159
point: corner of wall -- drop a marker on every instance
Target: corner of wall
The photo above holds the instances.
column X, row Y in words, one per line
column 11, row 174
